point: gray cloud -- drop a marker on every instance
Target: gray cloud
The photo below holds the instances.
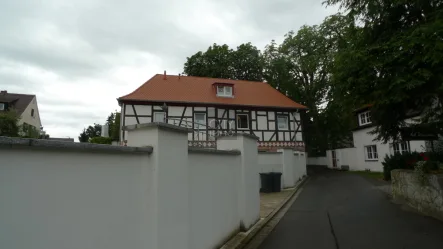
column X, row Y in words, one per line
column 79, row 56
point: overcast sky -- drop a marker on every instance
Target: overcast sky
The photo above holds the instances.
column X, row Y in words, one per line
column 79, row 56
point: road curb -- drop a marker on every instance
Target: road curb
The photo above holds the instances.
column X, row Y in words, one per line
column 243, row 238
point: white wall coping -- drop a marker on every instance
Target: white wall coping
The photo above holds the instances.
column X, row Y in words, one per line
column 234, row 136
column 160, row 125
column 213, row 151
column 13, row 142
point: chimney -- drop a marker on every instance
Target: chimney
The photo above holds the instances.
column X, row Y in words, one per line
column 4, row 92
column 164, row 75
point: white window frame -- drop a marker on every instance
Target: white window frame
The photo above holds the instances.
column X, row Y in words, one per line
column 238, row 123
column 401, row 147
column 198, row 125
column 285, row 123
column 156, row 114
column 371, row 153
column 2, row 106
column 364, row 118
column 225, row 93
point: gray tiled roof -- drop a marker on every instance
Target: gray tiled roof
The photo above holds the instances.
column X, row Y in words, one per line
column 17, row 101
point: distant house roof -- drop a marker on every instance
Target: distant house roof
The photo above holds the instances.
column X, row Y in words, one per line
column 202, row 90
column 17, row 101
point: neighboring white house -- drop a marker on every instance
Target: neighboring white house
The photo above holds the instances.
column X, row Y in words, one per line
column 366, row 154
column 25, row 105
column 212, row 107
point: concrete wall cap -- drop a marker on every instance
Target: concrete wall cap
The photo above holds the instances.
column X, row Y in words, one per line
column 12, row 142
column 233, row 136
column 213, row 151
column 159, row 125
column 270, row 152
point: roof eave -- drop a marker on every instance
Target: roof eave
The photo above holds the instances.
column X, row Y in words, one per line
column 120, row 100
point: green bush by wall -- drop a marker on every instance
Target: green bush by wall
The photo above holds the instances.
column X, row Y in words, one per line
column 408, row 160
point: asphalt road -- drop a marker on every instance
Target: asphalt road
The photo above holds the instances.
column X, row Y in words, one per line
column 347, row 211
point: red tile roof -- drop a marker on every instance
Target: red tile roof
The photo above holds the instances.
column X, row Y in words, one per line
column 201, row 90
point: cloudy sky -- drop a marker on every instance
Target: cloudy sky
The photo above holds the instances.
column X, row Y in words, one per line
column 79, row 56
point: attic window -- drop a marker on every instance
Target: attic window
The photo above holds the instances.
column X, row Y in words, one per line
column 364, row 118
column 224, row 91
column 2, row 106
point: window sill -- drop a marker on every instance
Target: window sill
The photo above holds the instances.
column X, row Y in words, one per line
column 371, row 160
column 223, row 96
column 242, row 129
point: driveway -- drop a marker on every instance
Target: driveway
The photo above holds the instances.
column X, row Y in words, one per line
column 347, row 211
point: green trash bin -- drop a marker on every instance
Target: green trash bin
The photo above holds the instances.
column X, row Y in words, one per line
column 276, row 181
column 266, row 182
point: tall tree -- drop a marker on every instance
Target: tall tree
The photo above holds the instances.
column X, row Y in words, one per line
column 9, row 124
column 247, row 63
column 394, row 62
column 90, row 132
column 113, row 122
column 219, row 61
column 301, row 68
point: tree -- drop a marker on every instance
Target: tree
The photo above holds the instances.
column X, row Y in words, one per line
column 83, row 138
column 94, row 131
column 245, row 63
column 90, row 132
column 9, row 124
column 113, row 122
column 101, row 140
column 394, row 62
column 301, row 68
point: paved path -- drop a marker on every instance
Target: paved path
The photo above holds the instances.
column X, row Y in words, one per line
column 346, row 211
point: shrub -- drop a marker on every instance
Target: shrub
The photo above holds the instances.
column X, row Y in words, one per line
column 399, row 161
column 408, row 161
column 101, row 140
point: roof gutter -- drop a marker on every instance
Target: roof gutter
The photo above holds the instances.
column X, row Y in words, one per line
column 120, row 101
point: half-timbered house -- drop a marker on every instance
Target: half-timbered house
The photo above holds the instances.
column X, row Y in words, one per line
column 213, row 107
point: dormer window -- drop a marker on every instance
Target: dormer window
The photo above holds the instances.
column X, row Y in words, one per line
column 224, row 91
column 364, row 118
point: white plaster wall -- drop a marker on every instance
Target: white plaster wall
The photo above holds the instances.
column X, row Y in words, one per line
column 362, row 139
column 289, row 166
column 69, row 200
column 31, row 120
column 347, row 156
column 270, row 162
column 213, row 198
column 248, row 179
column 302, row 163
column 317, row 161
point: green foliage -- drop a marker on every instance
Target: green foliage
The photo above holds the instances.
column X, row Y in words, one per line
column 8, row 124
column 409, row 160
column 29, row 131
column 399, row 161
column 393, row 61
column 113, row 122
column 101, row 140
column 90, row 132
column 83, row 138
column 94, row 131
column 301, row 68
column 245, row 63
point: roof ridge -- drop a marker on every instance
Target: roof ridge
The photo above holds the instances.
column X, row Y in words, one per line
column 213, row 78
